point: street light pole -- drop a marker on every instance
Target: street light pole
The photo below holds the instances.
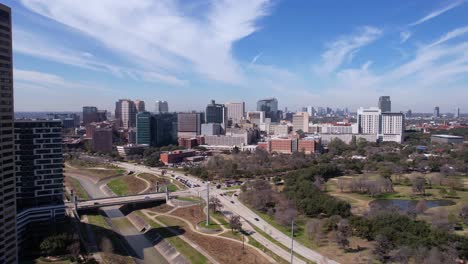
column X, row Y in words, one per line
column 207, row 203
column 292, row 241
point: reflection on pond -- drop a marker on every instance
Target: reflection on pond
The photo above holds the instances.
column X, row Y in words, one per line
column 406, row 205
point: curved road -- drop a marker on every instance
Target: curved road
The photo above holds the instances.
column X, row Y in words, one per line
column 248, row 215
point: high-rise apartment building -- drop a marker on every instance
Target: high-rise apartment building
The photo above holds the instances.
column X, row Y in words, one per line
column 301, row 122
column 125, row 112
column 39, row 176
column 457, row 113
column 436, row 112
column 369, row 120
column 189, row 124
column 385, row 126
column 38, row 151
column 235, row 111
column 216, row 113
column 8, row 251
column 270, row 107
column 392, row 127
column 139, row 105
column 162, row 107
column 385, row 105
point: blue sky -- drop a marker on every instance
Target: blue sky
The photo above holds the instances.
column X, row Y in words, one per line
column 321, row 53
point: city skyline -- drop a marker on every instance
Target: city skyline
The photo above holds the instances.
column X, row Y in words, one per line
column 244, row 51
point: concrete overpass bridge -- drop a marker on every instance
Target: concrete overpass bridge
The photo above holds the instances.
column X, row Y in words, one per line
column 122, row 200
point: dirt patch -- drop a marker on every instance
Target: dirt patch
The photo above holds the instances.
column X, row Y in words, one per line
column 95, row 174
column 224, row 251
column 193, row 214
column 163, row 208
column 154, row 180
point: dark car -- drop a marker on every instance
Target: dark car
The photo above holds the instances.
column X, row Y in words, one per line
column 256, row 219
column 232, row 202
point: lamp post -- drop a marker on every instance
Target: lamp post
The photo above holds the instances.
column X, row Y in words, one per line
column 207, row 203
column 292, row 241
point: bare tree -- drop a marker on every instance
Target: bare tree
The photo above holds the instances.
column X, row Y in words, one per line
column 419, row 185
column 342, row 234
column 215, row 204
column 440, row 220
column 464, row 214
column 341, row 184
column 235, row 223
column 314, row 229
column 381, row 248
column 402, row 255
column 285, row 212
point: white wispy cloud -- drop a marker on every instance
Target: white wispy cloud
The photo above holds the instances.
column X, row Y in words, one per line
column 437, row 13
column 450, row 35
column 346, row 47
column 164, row 34
column 53, row 51
column 255, row 58
column 434, row 69
column 404, row 36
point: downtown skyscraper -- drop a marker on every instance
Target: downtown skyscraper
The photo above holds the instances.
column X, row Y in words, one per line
column 8, row 247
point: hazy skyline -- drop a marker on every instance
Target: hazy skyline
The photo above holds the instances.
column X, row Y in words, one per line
column 320, row 53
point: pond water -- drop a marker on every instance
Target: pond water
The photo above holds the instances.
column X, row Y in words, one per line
column 406, row 205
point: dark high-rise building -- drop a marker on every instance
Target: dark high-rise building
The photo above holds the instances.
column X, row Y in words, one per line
column 385, row 104
column 8, row 251
column 436, row 112
column 90, row 114
column 156, row 130
column 145, row 128
column 166, row 129
column 216, row 113
column 39, row 176
column 270, row 107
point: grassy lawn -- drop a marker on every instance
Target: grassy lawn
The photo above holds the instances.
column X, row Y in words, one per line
column 211, row 226
column 270, row 253
column 75, row 185
column 235, row 187
column 221, row 219
column 189, row 199
column 182, row 247
column 274, row 241
column 118, row 186
column 172, row 188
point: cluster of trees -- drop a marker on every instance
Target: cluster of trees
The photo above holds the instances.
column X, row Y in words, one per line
column 399, row 236
column 363, row 184
column 61, row 244
column 249, row 165
column 305, row 191
column 260, row 195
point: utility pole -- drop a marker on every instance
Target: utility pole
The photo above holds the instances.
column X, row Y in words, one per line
column 292, row 241
column 207, row 203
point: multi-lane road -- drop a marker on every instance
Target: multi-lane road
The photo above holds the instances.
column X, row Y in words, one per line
column 233, row 205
